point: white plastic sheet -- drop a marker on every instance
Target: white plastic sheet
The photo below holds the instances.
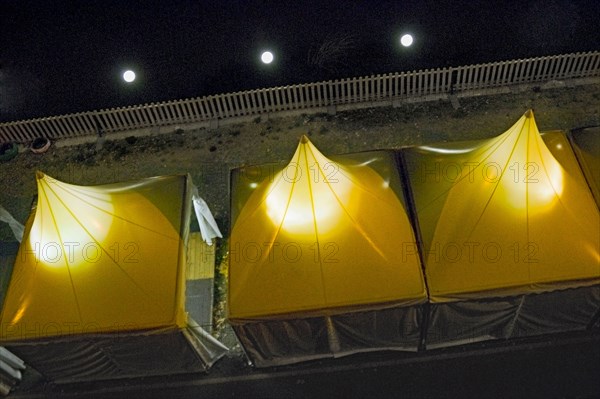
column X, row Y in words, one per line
column 10, row 370
column 206, row 221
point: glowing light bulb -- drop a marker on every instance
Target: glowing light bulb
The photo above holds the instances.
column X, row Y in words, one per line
column 129, row 76
column 406, row 40
column 267, row 57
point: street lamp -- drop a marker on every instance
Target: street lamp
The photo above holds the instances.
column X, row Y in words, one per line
column 406, row 40
column 267, row 57
column 129, row 76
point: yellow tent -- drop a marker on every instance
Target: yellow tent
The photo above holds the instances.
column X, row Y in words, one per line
column 502, row 217
column 318, row 239
column 106, row 260
column 586, row 143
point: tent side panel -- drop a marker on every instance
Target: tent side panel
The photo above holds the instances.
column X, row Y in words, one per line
column 109, row 357
column 557, row 311
column 458, row 323
column 512, row 317
column 279, row 342
column 287, row 341
column 385, row 329
column 586, row 144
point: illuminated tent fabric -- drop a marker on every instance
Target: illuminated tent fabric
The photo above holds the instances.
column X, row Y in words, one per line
column 322, row 260
column 586, row 143
column 506, row 217
column 98, row 285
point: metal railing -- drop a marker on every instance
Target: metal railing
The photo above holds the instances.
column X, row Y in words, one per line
column 389, row 87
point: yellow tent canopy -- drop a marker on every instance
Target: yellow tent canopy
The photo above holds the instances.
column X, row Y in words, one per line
column 323, row 258
column 504, row 216
column 98, row 259
column 101, row 270
column 321, row 234
column 586, row 143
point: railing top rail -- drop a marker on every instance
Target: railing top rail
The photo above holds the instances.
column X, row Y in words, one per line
column 273, row 103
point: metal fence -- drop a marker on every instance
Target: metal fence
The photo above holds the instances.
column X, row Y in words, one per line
column 389, row 87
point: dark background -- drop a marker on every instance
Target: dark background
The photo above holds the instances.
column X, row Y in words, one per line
column 61, row 57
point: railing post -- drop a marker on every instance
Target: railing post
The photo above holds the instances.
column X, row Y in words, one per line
column 320, row 94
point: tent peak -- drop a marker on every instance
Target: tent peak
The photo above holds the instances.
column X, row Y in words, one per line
column 528, row 113
column 39, row 174
column 304, row 139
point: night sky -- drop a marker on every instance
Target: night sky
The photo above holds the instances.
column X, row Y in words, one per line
column 60, row 57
